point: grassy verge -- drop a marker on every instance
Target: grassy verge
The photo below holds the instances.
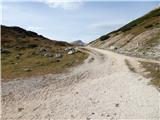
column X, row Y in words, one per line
column 153, row 70
column 36, row 64
column 131, row 68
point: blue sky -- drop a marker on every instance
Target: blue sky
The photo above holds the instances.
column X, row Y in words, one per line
column 69, row 21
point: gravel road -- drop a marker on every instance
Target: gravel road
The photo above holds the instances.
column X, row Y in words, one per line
column 103, row 87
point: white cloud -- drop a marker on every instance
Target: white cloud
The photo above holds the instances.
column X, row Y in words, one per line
column 68, row 4
column 33, row 28
column 104, row 25
column 65, row 4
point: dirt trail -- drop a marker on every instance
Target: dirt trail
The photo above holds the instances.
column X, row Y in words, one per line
column 101, row 88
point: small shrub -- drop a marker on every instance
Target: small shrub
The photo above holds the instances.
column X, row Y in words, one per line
column 32, row 45
column 148, row 26
column 128, row 27
column 104, row 37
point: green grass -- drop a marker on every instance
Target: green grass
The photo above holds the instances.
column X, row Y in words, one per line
column 39, row 65
column 32, row 61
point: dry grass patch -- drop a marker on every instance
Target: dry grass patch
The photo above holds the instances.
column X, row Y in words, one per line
column 30, row 65
column 153, row 71
column 131, row 68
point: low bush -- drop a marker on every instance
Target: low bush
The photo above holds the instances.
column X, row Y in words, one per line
column 104, row 37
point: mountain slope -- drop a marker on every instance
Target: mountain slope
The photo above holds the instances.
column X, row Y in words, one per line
column 140, row 37
column 78, row 43
column 25, row 53
column 18, row 37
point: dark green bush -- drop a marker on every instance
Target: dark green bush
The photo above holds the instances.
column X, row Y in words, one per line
column 104, row 37
column 148, row 26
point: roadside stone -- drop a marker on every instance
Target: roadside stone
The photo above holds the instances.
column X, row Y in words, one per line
column 102, row 114
column 67, row 49
column 43, row 50
column 115, row 113
column 113, row 48
column 58, row 60
column 58, row 55
column 20, row 109
column 88, row 118
column 5, row 51
column 91, row 60
column 93, row 113
column 17, row 56
column 20, row 54
column 48, row 55
column 117, row 105
column 72, row 116
column 70, row 50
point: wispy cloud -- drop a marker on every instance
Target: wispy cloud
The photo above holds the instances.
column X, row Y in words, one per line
column 34, row 28
column 104, row 25
column 65, row 4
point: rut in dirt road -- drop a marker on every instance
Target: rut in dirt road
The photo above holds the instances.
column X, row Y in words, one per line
column 101, row 88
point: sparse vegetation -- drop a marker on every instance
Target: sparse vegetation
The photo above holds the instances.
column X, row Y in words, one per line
column 38, row 65
column 131, row 68
column 150, row 44
column 26, row 54
column 149, row 26
column 153, row 70
column 156, row 25
column 138, row 38
column 129, row 26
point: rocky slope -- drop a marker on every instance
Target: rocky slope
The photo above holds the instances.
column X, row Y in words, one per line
column 78, row 43
column 140, row 38
column 25, row 53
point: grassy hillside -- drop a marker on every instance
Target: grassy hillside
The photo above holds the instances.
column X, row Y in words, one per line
column 148, row 21
column 140, row 38
column 25, row 53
